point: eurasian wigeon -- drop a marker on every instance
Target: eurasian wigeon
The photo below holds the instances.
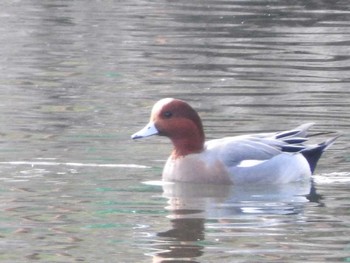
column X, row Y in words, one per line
column 268, row 158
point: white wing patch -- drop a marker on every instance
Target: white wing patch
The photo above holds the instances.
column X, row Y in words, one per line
column 250, row 163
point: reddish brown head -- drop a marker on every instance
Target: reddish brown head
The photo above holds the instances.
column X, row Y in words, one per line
column 180, row 122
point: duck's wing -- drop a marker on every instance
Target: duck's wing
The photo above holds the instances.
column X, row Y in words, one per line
column 252, row 149
column 233, row 151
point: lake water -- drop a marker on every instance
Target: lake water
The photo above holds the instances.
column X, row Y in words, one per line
column 79, row 77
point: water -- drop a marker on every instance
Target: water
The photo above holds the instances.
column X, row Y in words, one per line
column 78, row 78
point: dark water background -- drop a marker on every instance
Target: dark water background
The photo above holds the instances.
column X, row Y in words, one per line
column 78, row 77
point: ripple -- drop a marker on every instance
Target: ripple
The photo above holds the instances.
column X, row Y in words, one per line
column 37, row 163
column 333, row 178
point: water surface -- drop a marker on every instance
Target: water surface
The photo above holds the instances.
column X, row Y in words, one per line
column 78, row 78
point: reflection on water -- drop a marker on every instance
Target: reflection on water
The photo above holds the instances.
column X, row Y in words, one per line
column 199, row 210
column 79, row 77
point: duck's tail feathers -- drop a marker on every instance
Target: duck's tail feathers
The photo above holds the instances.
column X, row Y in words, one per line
column 313, row 153
column 298, row 132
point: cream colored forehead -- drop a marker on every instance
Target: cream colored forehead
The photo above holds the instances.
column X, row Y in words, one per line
column 160, row 104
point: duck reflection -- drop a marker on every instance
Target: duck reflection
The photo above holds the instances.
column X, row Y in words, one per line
column 192, row 206
column 185, row 233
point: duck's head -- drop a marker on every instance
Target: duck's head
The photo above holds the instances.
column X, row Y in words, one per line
column 178, row 121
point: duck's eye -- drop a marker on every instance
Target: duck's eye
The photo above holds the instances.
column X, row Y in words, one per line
column 168, row 114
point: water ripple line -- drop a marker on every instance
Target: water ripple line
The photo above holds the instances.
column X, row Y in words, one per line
column 137, row 166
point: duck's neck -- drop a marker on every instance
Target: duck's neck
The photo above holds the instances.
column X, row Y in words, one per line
column 192, row 143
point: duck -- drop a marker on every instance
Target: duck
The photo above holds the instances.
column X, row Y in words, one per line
column 263, row 158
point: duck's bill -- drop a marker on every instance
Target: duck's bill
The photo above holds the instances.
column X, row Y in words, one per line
column 149, row 130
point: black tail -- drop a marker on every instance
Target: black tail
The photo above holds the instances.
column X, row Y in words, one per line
column 313, row 154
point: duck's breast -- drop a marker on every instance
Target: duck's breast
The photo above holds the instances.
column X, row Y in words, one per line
column 196, row 168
